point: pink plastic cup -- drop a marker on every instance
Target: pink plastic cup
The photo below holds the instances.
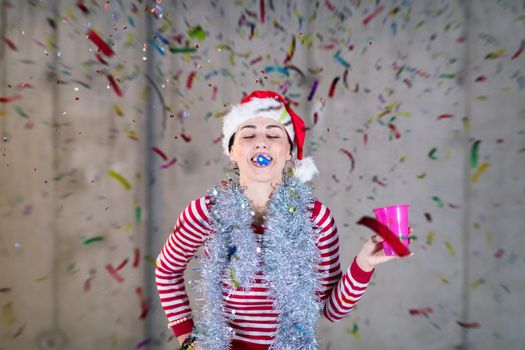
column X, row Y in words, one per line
column 395, row 217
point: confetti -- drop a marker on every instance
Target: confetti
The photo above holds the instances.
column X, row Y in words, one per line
column 445, row 116
column 261, row 7
column 477, row 283
column 474, row 178
column 143, row 343
column 114, row 273
column 197, row 33
column 438, row 201
column 87, row 284
column 351, row 157
column 332, row 87
column 169, row 164
column 11, row 44
column 136, row 258
column 120, row 179
column 519, row 51
column 371, row 16
column 291, row 51
column 114, row 85
column 469, row 325
column 189, row 82
column 9, row 315
column 160, row 153
column 10, row 99
column 495, row 54
column 100, row 43
column 341, row 60
column 424, row 311
column 387, row 235
column 143, row 303
column 474, row 154
column 450, row 248
column 93, row 239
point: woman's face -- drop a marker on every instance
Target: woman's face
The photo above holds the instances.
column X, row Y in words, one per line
column 260, row 136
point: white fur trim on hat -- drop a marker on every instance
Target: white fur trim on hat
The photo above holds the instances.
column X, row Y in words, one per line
column 257, row 107
column 305, row 169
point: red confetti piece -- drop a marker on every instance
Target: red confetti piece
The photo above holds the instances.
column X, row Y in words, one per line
column 453, row 206
column 328, row 46
column 169, row 164
column 469, row 325
column 316, row 116
column 365, row 138
column 373, row 15
column 185, row 137
column 82, row 7
column 218, row 139
column 114, row 273
column 122, row 264
column 499, row 253
column 481, row 78
column 394, row 130
column 160, row 153
column 520, row 50
column 424, row 311
column 445, row 116
column 189, row 82
column 332, row 87
column 352, row 160
column 261, row 3
column 101, row 44
column 11, row 44
column 114, row 85
column 330, row 6
column 387, row 235
column 143, row 303
column 100, row 59
column 428, row 217
column 214, row 92
column 87, row 284
column 256, row 60
column 136, row 258
column 407, row 83
column 377, row 181
column 10, row 99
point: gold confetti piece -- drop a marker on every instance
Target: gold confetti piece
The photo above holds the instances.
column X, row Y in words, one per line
column 41, row 278
column 489, row 238
column 495, row 54
column 431, row 237
column 442, row 278
column 450, row 248
column 479, row 171
column 2, row 113
column 117, row 109
column 9, row 315
column 477, row 283
column 120, row 179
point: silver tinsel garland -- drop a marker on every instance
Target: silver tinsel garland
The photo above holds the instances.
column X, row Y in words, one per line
column 287, row 254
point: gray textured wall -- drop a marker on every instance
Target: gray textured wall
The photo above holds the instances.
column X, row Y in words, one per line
column 448, row 77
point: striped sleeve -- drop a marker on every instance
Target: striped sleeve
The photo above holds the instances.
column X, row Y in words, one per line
column 339, row 292
column 189, row 233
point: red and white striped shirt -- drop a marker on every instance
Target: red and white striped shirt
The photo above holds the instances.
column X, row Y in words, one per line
column 254, row 318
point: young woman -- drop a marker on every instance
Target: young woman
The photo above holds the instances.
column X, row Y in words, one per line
column 271, row 250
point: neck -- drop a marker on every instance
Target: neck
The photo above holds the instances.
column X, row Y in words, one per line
column 258, row 193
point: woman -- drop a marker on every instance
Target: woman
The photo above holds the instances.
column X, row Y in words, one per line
column 271, row 263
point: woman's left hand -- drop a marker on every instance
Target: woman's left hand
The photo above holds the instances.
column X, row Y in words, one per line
column 372, row 253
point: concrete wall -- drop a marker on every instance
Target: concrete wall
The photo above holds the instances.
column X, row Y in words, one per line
column 429, row 101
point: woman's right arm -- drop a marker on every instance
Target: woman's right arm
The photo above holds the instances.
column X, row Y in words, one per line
column 188, row 235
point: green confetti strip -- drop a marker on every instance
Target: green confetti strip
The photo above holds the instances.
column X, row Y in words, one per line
column 438, row 201
column 431, row 154
column 93, row 239
column 474, row 154
column 138, row 215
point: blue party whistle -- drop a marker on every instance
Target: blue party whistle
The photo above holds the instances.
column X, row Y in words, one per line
column 262, row 160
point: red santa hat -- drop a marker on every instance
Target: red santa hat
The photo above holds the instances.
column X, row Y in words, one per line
column 270, row 104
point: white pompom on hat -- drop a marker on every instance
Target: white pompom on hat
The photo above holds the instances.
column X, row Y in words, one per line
column 270, row 104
